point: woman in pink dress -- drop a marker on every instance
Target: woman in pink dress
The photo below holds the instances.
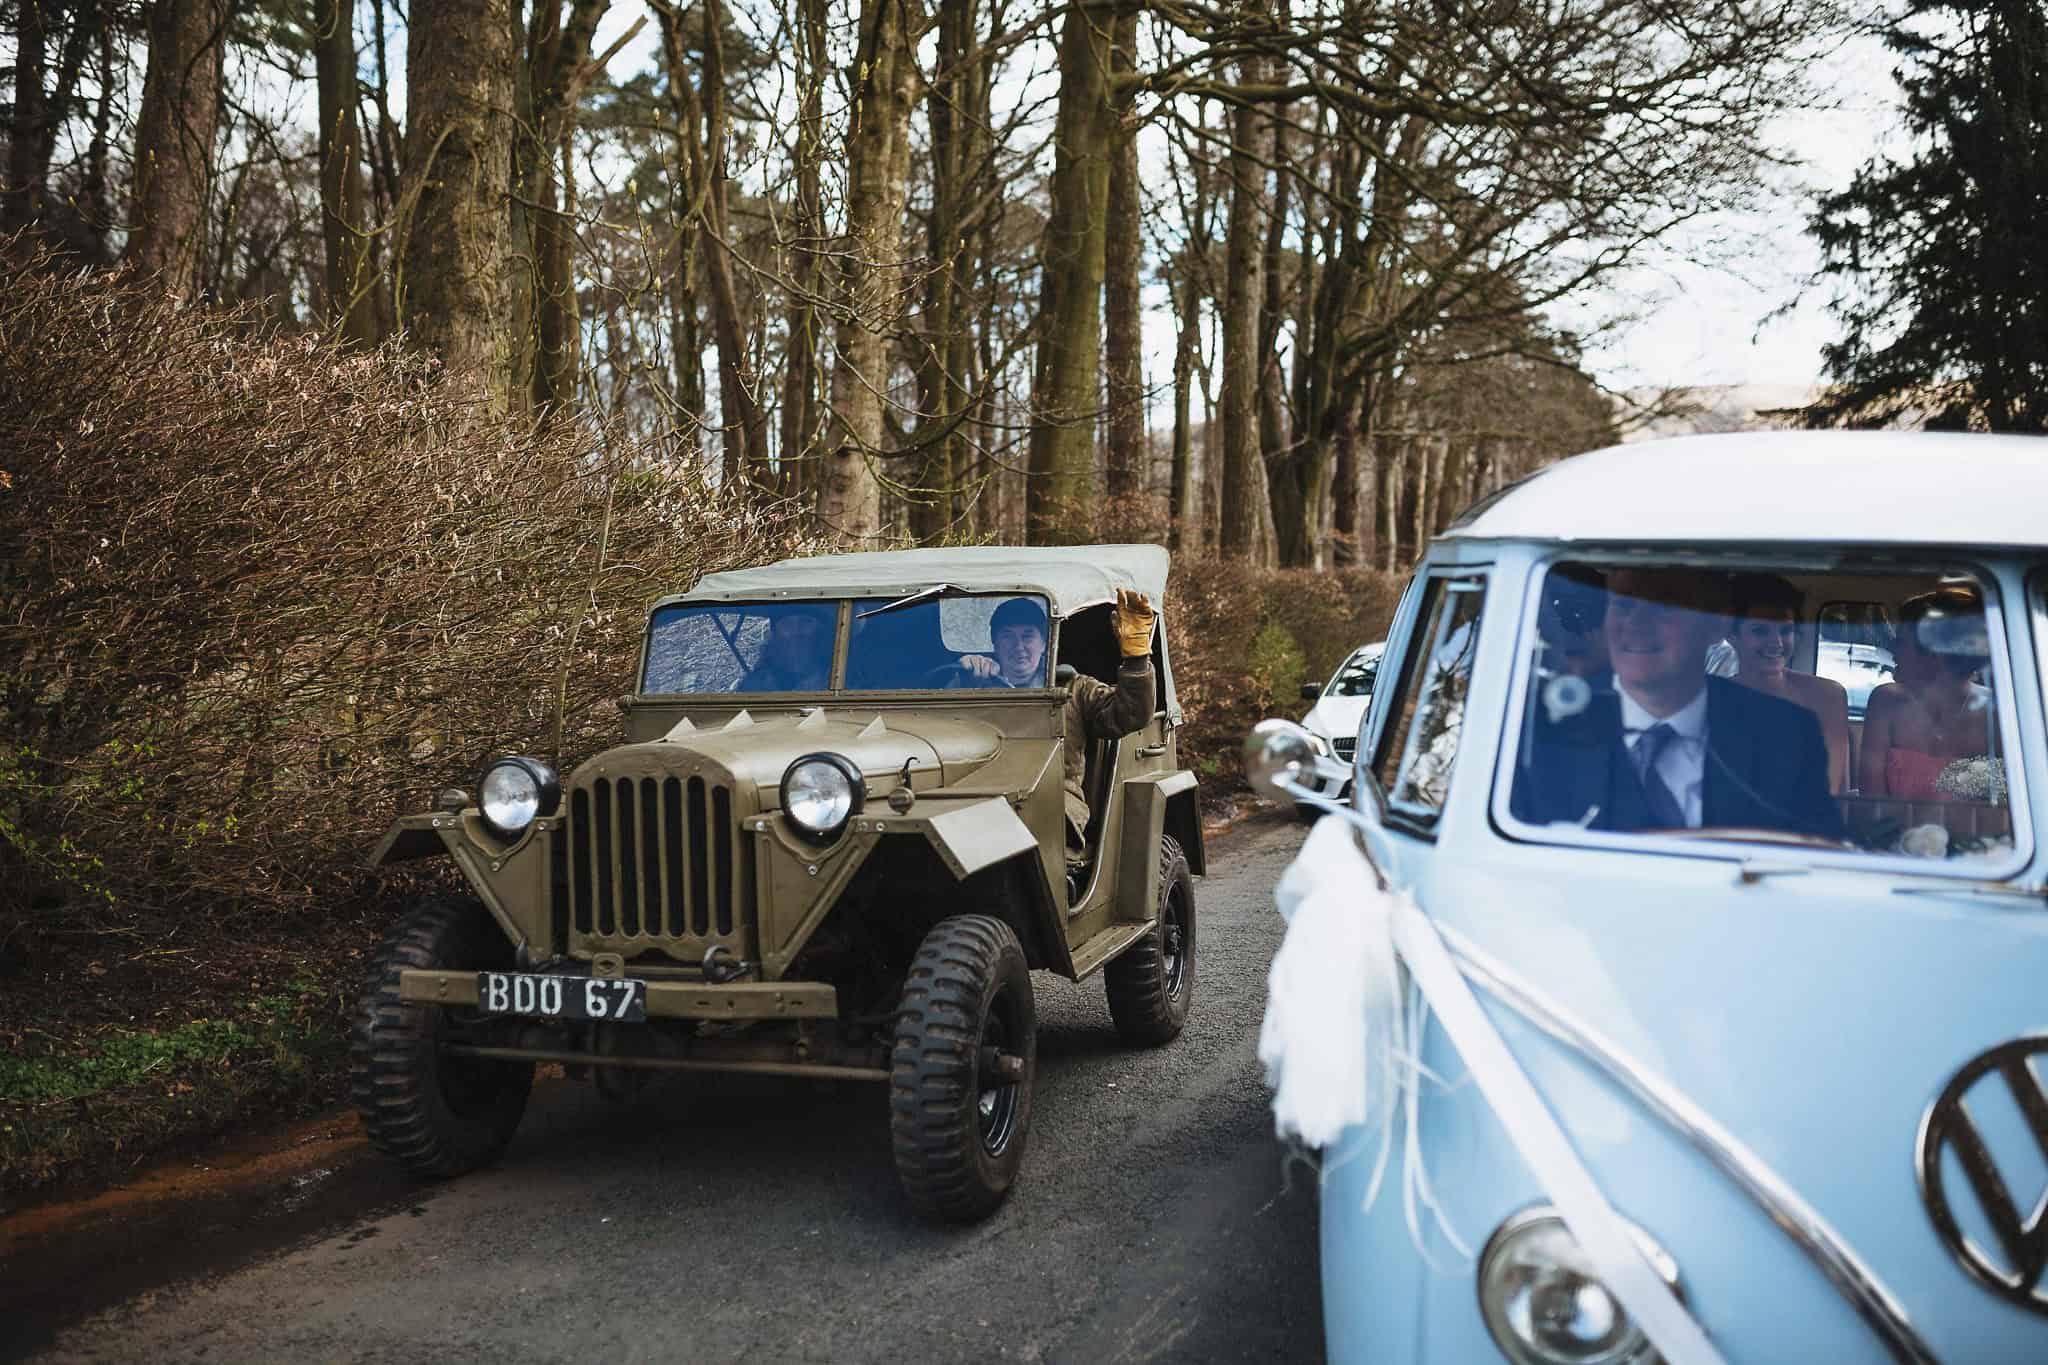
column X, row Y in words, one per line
column 1933, row 713
column 1765, row 632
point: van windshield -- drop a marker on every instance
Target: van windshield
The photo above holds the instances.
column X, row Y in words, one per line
column 1678, row 701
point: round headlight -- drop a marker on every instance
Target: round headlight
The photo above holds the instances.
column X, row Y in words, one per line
column 820, row 793
column 514, row 793
column 1544, row 1304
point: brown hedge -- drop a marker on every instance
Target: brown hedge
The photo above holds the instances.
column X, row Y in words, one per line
column 258, row 594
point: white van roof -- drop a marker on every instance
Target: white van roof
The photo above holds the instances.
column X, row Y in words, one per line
column 1828, row 487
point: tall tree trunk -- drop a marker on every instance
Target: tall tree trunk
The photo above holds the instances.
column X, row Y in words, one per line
column 942, row 362
column 745, row 439
column 1244, row 288
column 877, row 169
column 350, row 279
column 95, row 190
column 1184, row 503
column 546, row 313
column 21, row 203
column 174, row 141
column 800, row 356
column 455, row 295
column 1064, row 390
column 1123, row 333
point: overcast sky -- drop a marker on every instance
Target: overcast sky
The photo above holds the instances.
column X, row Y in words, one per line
column 1709, row 326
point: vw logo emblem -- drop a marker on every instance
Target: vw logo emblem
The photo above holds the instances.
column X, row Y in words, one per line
column 2013, row 1266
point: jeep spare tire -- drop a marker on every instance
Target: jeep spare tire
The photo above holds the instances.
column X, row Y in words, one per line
column 439, row 1115
column 965, row 1056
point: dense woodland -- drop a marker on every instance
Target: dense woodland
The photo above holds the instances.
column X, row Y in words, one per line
column 1274, row 280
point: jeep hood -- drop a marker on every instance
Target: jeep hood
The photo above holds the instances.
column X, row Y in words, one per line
column 940, row 751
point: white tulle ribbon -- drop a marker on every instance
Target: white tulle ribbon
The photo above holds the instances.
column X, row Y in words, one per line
column 1340, row 1042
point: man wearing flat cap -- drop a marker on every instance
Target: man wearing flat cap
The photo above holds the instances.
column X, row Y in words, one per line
column 1095, row 710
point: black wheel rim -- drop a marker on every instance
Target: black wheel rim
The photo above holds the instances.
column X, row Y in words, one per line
column 995, row 1100
column 1174, row 942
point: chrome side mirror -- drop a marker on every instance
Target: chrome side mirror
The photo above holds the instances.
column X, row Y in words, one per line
column 1279, row 753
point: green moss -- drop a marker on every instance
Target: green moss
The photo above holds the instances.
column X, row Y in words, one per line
column 120, row 1060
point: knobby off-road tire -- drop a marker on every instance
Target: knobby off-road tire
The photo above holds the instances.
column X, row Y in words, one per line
column 958, row 1133
column 436, row 1114
column 1152, row 982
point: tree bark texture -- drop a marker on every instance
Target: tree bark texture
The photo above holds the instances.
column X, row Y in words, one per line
column 744, row 440
column 956, row 111
column 174, row 141
column 1123, row 335
column 806, row 225
column 1185, row 499
column 350, row 280
column 546, row 315
column 1064, row 390
column 1244, row 288
column 21, row 197
column 877, row 169
column 455, row 292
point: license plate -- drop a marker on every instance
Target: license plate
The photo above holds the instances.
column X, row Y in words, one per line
column 562, row 997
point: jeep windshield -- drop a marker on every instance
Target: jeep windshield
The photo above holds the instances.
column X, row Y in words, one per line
column 950, row 640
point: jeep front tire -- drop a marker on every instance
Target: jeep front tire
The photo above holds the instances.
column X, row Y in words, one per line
column 1152, row 982
column 965, row 1055
column 436, row 1114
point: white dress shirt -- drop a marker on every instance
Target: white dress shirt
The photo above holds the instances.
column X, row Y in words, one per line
column 1683, row 764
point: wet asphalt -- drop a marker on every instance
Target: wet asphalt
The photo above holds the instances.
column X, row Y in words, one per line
column 740, row 1218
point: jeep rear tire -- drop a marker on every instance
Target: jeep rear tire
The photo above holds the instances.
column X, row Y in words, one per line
column 957, row 1124
column 436, row 1114
column 1152, row 982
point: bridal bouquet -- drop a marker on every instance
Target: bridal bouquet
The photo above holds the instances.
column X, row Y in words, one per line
column 1973, row 779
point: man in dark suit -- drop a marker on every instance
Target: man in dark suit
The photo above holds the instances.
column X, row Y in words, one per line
column 1671, row 747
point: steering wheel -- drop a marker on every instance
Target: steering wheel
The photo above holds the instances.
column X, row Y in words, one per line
column 1753, row 835
column 953, row 675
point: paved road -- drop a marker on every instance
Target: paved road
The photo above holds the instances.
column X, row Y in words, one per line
column 732, row 1218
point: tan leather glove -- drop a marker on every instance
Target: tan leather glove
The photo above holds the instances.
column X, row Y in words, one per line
column 1134, row 618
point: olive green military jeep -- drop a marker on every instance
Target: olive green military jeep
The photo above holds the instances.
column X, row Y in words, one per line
column 837, row 839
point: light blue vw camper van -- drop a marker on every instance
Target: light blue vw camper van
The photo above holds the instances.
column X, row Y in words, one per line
column 1714, row 1022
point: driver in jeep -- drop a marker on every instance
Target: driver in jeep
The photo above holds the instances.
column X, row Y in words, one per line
column 1095, row 710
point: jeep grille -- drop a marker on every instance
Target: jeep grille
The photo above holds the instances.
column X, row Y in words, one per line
column 652, row 858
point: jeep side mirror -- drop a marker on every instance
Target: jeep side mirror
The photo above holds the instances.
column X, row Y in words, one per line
column 1311, row 691
column 1065, row 674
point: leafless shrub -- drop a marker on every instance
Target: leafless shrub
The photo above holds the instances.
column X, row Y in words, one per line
column 1243, row 640
column 261, row 593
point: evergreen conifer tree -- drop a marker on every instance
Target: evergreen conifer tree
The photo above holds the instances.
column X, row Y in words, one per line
column 1942, row 257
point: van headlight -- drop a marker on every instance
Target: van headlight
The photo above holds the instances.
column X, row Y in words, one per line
column 514, row 792
column 1545, row 1305
column 820, row 793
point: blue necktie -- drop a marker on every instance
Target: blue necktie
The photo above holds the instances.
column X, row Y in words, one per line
column 1665, row 812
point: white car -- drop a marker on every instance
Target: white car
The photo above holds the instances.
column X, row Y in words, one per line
column 1338, row 714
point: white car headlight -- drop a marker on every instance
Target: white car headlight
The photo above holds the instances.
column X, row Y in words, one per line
column 1544, row 1304
column 515, row 792
column 820, row 793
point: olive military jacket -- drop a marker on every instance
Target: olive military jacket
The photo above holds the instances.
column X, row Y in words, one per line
column 1095, row 710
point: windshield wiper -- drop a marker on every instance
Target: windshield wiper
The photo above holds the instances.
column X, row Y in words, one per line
column 921, row 595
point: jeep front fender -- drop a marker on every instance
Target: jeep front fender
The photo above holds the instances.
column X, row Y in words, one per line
column 412, row 837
